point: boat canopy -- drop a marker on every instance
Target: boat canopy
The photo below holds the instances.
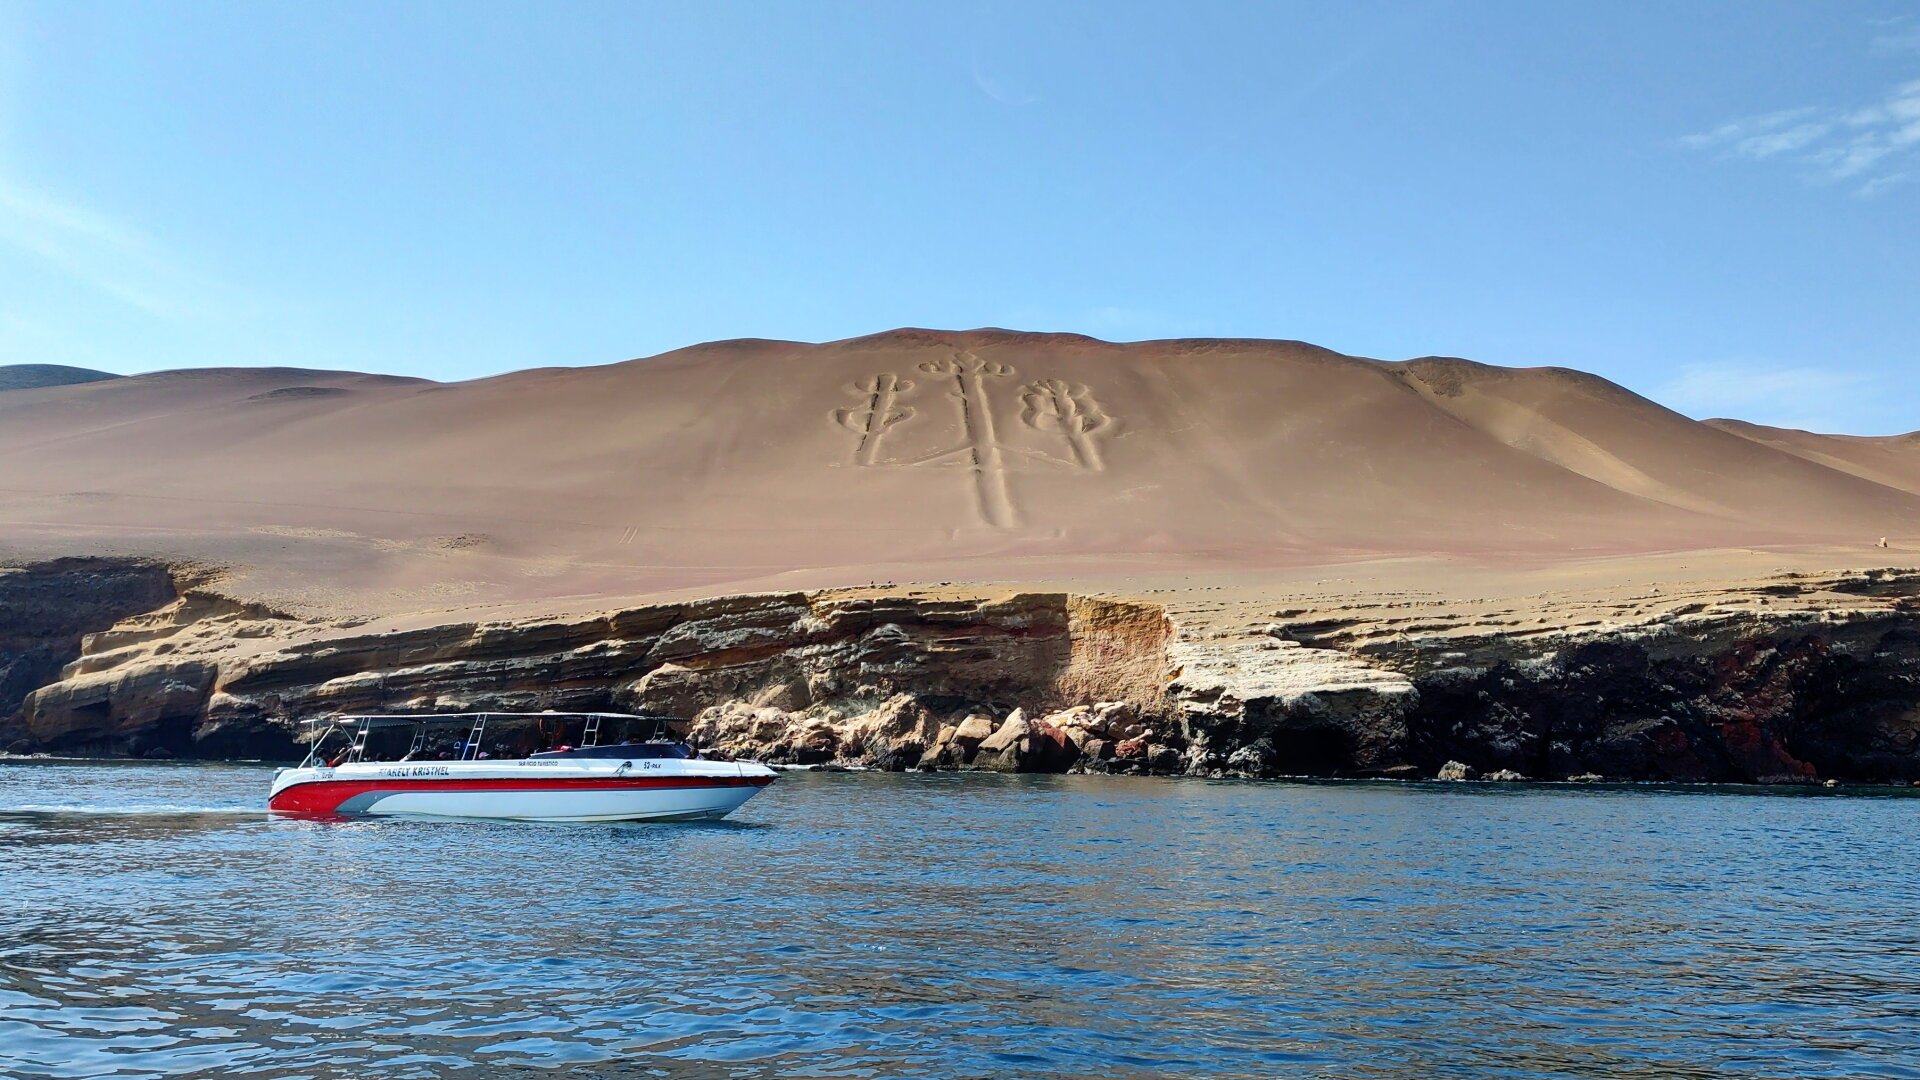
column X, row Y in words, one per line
column 375, row 721
column 359, row 726
column 617, row 750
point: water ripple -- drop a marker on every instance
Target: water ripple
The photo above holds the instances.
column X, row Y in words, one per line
column 153, row 923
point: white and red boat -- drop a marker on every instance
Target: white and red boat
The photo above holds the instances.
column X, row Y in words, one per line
column 652, row 780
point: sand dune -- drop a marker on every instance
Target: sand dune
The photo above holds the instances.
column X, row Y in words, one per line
column 1892, row 461
column 1606, row 433
column 992, row 452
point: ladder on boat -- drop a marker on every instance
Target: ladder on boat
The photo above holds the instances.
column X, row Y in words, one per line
column 471, row 751
column 357, row 742
column 590, row 735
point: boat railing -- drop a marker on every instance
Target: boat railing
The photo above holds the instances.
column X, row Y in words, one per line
column 358, row 727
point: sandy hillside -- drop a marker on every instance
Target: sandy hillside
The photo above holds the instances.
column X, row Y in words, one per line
column 1893, row 461
column 979, row 455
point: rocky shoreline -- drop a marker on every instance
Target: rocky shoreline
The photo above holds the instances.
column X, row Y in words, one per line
column 1798, row 678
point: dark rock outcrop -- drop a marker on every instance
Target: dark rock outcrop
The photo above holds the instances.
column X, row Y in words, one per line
column 1790, row 702
column 47, row 611
column 1749, row 689
column 1799, row 681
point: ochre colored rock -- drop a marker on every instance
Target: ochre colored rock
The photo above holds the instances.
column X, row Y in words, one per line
column 1023, row 745
column 973, row 731
column 1794, row 680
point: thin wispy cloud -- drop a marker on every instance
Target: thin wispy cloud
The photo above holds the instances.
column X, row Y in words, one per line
column 1813, row 398
column 103, row 254
column 13, row 64
column 1121, row 323
column 1871, row 147
column 25, row 339
column 1000, row 90
column 1113, row 322
column 1900, row 34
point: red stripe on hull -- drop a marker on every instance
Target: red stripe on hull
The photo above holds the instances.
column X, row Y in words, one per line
column 325, row 796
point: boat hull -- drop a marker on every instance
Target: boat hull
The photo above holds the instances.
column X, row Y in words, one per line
column 510, row 793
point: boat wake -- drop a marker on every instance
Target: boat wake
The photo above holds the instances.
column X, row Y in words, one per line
column 173, row 809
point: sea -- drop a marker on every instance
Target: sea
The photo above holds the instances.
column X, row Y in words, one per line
column 156, row 922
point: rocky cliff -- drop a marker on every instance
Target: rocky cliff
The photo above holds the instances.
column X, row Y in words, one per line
column 1795, row 678
column 47, row 610
column 791, row 676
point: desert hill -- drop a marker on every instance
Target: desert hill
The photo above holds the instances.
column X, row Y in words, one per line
column 976, row 455
column 33, row 376
column 1892, row 460
column 1248, row 558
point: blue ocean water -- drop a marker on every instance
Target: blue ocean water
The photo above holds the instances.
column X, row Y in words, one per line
column 154, row 922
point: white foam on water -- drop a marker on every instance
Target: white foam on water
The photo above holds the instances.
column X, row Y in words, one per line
column 100, row 808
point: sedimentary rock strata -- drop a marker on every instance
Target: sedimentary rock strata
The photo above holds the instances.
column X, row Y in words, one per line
column 1788, row 679
column 47, row 611
column 1793, row 678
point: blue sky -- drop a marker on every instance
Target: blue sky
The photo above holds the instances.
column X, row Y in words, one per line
column 1716, row 204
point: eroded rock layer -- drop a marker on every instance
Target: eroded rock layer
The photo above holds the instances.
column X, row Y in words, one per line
column 1796, row 678
column 47, row 610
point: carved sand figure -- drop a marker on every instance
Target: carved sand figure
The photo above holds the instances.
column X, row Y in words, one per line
column 976, row 411
column 1052, row 405
column 1070, row 410
column 873, row 419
